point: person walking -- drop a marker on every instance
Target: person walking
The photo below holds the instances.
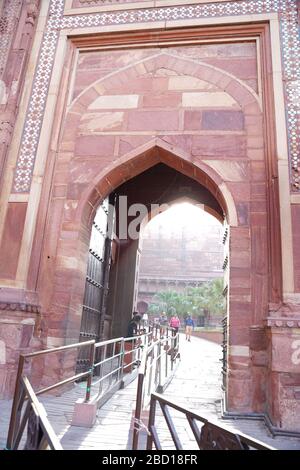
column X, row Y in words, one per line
column 163, row 323
column 175, row 325
column 189, row 325
column 131, row 345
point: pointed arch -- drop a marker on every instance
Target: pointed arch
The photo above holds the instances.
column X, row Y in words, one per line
column 239, row 90
column 244, row 97
column 143, row 158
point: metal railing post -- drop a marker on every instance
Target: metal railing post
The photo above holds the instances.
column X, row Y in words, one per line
column 173, row 342
column 122, row 349
column 159, row 364
column 119, row 351
column 14, row 417
column 151, row 357
column 138, row 412
column 90, row 376
column 151, row 423
column 166, row 365
column 112, row 362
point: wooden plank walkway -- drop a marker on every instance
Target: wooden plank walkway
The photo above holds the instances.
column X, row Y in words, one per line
column 110, row 431
column 196, row 385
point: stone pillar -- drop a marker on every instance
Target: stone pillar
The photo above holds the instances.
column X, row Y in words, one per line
column 239, row 375
column 284, row 383
column 259, row 365
column 19, row 334
column 239, row 388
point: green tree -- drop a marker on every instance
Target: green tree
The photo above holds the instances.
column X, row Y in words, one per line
column 208, row 296
column 194, row 300
column 169, row 301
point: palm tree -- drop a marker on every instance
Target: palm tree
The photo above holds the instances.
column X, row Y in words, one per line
column 169, row 301
column 194, row 300
column 208, row 296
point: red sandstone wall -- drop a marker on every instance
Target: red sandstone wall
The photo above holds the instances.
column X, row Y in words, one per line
column 296, row 244
column 189, row 253
column 214, row 336
column 238, row 59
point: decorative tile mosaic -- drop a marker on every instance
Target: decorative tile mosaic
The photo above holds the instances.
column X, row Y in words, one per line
column 8, row 20
column 84, row 3
column 287, row 10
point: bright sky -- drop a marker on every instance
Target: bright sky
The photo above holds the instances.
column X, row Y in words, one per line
column 182, row 215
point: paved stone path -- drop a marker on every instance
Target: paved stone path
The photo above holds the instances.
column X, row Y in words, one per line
column 196, row 385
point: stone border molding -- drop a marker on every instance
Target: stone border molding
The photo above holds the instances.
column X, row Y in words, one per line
column 22, row 307
column 283, row 322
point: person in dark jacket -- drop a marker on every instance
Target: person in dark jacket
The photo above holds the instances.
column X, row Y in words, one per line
column 132, row 343
column 189, row 325
column 132, row 328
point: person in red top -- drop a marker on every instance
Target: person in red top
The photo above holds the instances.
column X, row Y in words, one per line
column 175, row 322
column 175, row 325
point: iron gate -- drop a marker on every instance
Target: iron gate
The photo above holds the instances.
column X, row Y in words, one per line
column 96, row 285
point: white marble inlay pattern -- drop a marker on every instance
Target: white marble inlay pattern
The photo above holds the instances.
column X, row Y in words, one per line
column 8, row 20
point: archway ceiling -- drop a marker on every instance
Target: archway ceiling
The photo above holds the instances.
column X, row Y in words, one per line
column 161, row 184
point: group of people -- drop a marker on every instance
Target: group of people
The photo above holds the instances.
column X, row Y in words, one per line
column 174, row 323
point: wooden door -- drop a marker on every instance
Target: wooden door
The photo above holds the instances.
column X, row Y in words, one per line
column 96, row 285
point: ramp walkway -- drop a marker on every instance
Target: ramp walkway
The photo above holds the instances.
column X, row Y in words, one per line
column 196, row 385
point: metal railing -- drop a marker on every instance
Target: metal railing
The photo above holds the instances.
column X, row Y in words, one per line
column 20, row 397
column 209, row 436
column 40, row 434
column 115, row 359
column 157, row 357
column 159, row 362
